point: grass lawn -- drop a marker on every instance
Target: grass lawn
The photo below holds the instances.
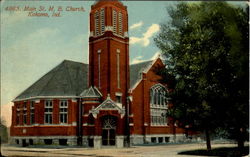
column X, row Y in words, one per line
column 223, row 152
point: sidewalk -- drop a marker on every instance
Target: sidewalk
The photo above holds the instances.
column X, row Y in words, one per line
column 135, row 151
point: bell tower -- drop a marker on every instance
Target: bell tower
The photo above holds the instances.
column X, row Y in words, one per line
column 109, row 49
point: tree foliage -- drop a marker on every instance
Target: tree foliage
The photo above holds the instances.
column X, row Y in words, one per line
column 206, row 48
column 3, row 131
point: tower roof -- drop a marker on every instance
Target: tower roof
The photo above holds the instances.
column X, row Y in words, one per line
column 100, row 3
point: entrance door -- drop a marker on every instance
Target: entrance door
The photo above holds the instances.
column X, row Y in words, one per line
column 108, row 131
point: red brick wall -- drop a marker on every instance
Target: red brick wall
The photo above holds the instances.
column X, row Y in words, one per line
column 44, row 130
column 137, row 109
column 41, row 108
column 72, row 111
column 55, row 115
column 140, row 106
column 13, row 115
column 108, row 67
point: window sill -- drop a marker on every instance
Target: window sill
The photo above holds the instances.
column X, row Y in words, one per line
column 159, row 125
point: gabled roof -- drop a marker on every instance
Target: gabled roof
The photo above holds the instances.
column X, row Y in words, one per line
column 91, row 92
column 144, row 68
column 108, row 104
column 70, row 78
column 136, row 70
column 67, row 79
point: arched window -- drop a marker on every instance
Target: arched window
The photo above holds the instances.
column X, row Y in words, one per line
column 158, row 105
column 114, row 21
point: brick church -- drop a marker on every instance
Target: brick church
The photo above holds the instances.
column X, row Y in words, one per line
column 104, row 103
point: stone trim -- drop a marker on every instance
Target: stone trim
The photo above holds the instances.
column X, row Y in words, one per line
column 44, row 125
column 74, row 123
column 74, row 100
column 118, row 93
column 46, row 97
column 109, row 38
column 111, row 106
column 90, row 102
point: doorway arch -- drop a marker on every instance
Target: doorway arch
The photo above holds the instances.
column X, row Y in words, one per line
column 109, row 124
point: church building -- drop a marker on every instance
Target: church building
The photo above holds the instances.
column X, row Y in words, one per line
column 107, row 102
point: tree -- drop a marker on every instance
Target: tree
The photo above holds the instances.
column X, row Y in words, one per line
column 3, row 131
column 206, row 48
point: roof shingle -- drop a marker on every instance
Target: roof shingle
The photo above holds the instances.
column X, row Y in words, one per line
column 67, row 79
column 136, row 70
column 70, row 78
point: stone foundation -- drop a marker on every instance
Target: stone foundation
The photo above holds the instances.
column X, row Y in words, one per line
column 96, row 141
column 119, row 141
column 156, row 138
column 40, row 140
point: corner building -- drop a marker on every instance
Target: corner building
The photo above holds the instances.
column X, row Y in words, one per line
column 105, row 103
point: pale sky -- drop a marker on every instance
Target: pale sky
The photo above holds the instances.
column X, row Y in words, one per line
column 31, row 46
